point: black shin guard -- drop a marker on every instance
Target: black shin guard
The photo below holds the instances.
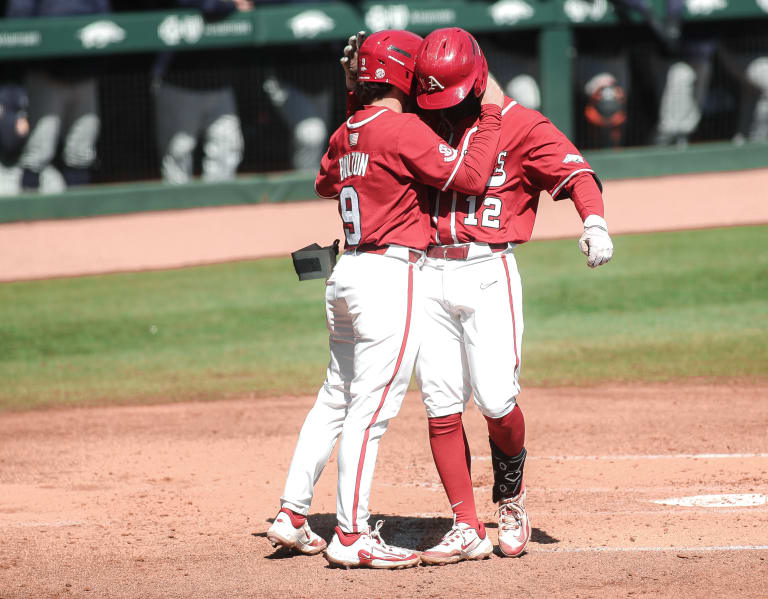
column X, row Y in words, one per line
column 507, row 472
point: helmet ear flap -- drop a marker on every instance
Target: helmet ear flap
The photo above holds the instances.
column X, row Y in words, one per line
column 482, row 77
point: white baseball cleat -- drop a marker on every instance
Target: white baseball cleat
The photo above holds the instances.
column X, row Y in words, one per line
column 283, row 533
column 369, row 551
column 460, row 543
column 514, row 526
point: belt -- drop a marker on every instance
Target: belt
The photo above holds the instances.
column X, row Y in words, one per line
column 459, row 252
column 370, row 248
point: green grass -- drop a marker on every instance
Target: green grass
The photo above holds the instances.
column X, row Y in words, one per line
column 671, row 305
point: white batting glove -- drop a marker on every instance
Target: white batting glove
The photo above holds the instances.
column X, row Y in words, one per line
column 595, row 243
column 349, row 60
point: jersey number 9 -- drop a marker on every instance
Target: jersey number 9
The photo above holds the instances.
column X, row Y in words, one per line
column 349, row 209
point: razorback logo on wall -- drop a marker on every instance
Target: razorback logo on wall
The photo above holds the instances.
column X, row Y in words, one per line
column 509, row 12
column 311, row 23
column 101, row 34
column 705, row 7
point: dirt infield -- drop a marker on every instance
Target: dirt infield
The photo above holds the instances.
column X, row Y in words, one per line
column 174, row 500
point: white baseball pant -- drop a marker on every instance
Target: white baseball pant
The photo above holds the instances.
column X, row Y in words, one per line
column 472, row 332
column 371, row 309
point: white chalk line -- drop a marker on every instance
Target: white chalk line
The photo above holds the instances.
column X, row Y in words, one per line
column 710, row 548
column 621, row 512
column 57, row 523
column 575, row 491
column 661, row 456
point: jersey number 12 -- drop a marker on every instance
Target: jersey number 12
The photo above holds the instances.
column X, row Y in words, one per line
column 491, row 212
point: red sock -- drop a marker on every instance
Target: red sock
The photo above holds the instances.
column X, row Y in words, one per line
column 296, row 519
column 347, row 538
column 508, row 432
column 450, row 451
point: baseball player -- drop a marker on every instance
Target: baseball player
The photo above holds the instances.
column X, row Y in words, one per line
column 379, row 165
column 472, row 336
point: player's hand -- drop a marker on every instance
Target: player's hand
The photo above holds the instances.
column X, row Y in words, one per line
column 595, row 243
column 349, row 60
column 22, row 126
column 493, row 93
column 243, row 5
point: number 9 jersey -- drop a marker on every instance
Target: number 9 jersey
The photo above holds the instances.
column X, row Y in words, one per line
column 380, row 163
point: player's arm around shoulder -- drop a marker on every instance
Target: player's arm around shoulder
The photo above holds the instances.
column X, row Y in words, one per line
column 433, row 161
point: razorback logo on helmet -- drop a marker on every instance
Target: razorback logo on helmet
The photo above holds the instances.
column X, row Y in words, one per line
column 431, row 84
column 449, row 153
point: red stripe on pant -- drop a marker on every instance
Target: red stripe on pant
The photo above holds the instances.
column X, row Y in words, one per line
column 512, row 310
column 361, row 463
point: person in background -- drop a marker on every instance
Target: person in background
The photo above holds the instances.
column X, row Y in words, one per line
column 194, row 99
column 14, row 130
column 747, row 63
column 683, row 70
column 63, row 101
column 601, row 77
column 302, row 97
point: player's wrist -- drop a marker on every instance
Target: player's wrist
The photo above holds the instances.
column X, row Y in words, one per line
column 593, row 220
column 490, row 109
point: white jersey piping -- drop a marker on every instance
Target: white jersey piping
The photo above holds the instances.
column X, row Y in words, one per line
column 508, row 106
column 461, row 157
column 438, row 194
column 352, row 125
column 453, row 218
column 320, row 195
column 557, row 189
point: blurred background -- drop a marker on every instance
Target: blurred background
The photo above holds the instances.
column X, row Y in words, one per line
column 119, row 91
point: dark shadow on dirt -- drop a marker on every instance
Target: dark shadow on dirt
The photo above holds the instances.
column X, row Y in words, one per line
column 411, row 532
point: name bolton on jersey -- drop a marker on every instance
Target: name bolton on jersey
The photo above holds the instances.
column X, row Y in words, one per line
column 353, row 164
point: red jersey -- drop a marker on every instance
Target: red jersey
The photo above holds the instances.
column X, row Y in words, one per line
column 380, row 164
column 533, row 156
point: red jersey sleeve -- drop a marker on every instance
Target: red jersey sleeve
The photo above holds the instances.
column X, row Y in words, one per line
column 551, row 160
column 328, row 177
column 432, row 161
column 586, row 195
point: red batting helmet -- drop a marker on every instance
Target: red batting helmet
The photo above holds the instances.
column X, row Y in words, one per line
column 388, row 57
column 449, row 66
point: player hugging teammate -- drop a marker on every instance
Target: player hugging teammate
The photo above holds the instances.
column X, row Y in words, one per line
column 429, row 280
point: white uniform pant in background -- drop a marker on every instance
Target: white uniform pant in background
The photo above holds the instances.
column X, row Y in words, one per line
column 472, row 333
column 185, row 115
column 371, row 309
column 60, row 108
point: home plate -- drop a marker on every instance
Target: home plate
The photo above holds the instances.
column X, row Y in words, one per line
column 727, row 500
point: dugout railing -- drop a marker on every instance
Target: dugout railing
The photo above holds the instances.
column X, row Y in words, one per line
column 554, row 30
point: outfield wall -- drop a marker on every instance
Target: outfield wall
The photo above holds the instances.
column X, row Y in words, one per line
column 176, row 238
column 99, row 200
